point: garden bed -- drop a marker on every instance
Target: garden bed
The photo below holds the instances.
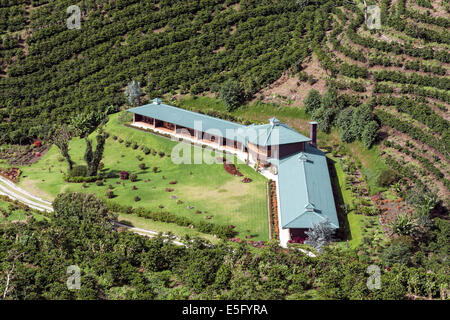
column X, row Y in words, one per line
column 273, row 214
column 23, row 155
column 11, row 174
column 231, row 169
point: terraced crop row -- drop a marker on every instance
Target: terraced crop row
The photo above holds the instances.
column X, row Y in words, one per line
column 398, row 77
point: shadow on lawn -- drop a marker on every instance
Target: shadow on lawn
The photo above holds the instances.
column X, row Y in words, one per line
column 344, row 232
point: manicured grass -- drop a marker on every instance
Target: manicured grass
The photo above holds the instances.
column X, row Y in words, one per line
column 208, row 188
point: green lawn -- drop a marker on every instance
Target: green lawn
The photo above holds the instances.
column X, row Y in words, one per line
column 17, row 215
column 208, row 188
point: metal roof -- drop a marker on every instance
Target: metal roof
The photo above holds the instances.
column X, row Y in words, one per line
column 306, row 196
column 273, row 133
column 190, row 119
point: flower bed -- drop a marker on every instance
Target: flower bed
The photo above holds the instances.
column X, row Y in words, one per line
column 11, row 174
column 297, row 239
column 231, row 169
column 273, row 207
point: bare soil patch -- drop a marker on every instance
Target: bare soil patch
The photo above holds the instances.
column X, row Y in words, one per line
column 294, row 90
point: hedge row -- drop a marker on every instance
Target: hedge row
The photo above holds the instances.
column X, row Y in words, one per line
column 224, row 232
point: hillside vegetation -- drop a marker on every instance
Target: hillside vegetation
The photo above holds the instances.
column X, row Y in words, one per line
column 50, row 73
column 381, row 98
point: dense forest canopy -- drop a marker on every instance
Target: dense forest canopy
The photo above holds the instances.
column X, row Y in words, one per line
column 118, row 264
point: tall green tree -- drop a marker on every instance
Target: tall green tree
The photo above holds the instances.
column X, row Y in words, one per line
column 312, row 101
column 93, row 158
column 232, row 94
column 370, row 133
column 61, row 138
column 344, row 122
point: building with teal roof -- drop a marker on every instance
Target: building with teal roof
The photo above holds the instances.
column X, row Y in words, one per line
column 305, row 195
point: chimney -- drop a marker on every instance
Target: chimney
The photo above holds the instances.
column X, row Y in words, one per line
column 313, row 133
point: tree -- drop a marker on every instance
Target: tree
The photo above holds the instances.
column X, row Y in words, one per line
column 324, row 118
column 319, row 235
column 387, row 177
column 370, row 133
column 344, row 122
column 85, row 124
column 396, row 253
column 93, row 159
column 312, row 101
column 98, row 155
column 231, row 94
column 75, row 210
column 61, row 138
column 133, row 93
column 330, row 98
column 88, row 154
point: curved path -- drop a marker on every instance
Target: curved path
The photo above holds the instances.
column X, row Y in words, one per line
column 9, row 189
column 16, row 193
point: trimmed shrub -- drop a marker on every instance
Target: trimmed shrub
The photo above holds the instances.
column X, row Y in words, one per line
column 81, row 179
column 109, row 194
column 78, row 171
column 124, row 175
column 387, row 177
column 133, row 177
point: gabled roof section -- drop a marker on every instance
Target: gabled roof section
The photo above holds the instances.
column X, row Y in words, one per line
column 273, row 133
column 306, row 196
column 158, row 110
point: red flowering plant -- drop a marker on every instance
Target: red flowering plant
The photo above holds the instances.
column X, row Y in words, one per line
column 124, row 175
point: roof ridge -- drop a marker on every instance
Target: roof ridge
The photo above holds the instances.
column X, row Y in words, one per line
column 192, row 112
column 302, row 162
column 272, row 126
column 308, row 212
